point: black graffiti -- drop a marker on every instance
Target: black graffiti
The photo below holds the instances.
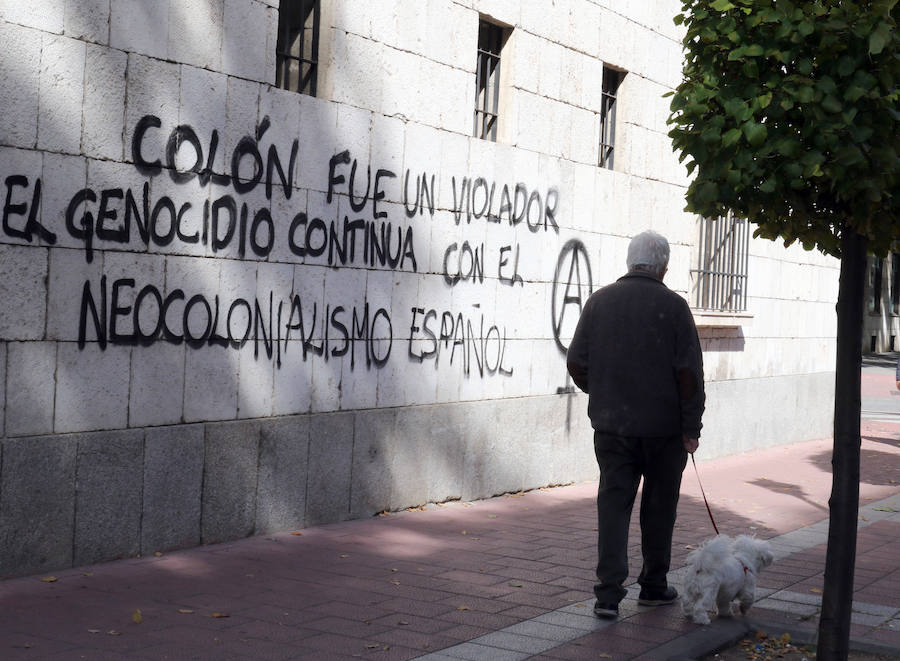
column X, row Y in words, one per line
column 32, row 226
column 311, row 236
column 374, row 192
column 468, row 263
column 485, row 350
column 246, row 150
column 476, row 198
column 573, row 253
column 113, row 314
column 222, row 221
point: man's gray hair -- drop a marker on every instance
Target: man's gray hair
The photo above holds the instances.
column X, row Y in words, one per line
column 648, row 251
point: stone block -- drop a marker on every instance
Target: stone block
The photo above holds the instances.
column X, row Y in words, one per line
column 152, row 89
column 203, row 107
column 3, row 354
column 293, row 381
column 173, row 479
column 140, row 26
column 92, row 387
column 229, row 481
column 55, row 198
column 37, row 504
column 187, row 22
column 256, row 381
column 371, row 475
column 23, row 273
column 283, row 471
column 246, row 27
column 210, row 384
column 61, row 90
column 69, row 273
column 156, row 395
column 354, row 58
column 108, row 496
column 411, row 465
column 103, row 108
column 241, row 116
column 47, row 15
column 30, row 388
column 318, row 141
column 330, row 461
column 282, row 107
column 88, row 20
column 19, row 84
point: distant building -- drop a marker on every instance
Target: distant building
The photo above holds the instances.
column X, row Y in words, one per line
column 275, row 264
column 882, row 300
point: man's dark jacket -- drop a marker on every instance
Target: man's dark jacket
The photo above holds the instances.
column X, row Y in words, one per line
column 637, row 355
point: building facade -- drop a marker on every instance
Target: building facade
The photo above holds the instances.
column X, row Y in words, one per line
column 271, row 264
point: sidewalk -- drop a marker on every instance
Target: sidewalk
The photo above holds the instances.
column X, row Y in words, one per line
column 503, row 579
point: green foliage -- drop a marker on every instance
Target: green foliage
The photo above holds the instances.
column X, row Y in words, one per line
column 789, row 114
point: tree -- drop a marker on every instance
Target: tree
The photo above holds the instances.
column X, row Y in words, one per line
column 788, row 112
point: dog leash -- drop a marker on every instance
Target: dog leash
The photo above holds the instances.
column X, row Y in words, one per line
column 705, row 501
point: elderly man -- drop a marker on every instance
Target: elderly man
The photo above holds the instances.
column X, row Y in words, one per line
column 636, row 353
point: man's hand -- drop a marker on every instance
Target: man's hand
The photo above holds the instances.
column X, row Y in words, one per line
column 691, row 444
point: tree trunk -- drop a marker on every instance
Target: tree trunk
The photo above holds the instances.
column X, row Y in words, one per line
column 837, row 599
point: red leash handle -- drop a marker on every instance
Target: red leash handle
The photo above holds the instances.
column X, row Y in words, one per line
column 705, row 501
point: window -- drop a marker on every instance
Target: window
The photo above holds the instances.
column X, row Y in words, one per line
column 612, row 78
column 876, row 265
column 720, row 279
column 487, row 80
column 297, row 52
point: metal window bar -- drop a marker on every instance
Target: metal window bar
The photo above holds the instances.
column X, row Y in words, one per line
column 610, row 88
column 297, row 51
column 487, row 81
column 721, row 273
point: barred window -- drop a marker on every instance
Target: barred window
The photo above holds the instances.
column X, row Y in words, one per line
column 297, row 51
column 487, row 80
column 720, row 279
column 612, row 78
column 876, row 267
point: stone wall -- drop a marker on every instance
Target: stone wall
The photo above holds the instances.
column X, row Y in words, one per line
column 230, row 309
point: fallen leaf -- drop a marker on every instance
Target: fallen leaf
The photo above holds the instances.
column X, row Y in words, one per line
column 464, row 533
column 113, row 632
column 689, row 547
column 93, row 630
column 137, row 617
column 816, row 590
column 462, row 608
column 87, row 573
column 393, row 569
column 185, row 611
column 402, row 623
column 49, row 579
column 158, row 554
column 492, row 516
column 297, row 533
column 603, row 655
column 395, row 582
column 344, row 555
column 886, row 509
column 218, row 615
column 515, row 585
column 785, row 638
column 580, row 605
column 761, row 635
column 372, row 647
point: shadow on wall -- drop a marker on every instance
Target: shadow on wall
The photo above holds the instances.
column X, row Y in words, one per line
column 192, row 357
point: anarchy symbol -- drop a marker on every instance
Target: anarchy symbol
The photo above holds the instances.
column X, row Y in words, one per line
column 573, row 290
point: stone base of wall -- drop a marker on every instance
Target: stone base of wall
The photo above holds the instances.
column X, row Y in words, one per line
column 75, row 499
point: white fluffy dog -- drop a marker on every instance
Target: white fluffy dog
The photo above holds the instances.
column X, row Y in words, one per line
column 721, row 571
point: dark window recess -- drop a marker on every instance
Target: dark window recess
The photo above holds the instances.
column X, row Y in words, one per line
column 876, row 265
column 721, row 274
column 612, row 78
column 297, row 52
column 487, row 80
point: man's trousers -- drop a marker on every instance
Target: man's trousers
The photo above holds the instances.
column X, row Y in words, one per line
column 623, row 461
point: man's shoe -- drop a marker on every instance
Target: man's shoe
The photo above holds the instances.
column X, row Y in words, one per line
column 607, row 610
column 650, row 597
